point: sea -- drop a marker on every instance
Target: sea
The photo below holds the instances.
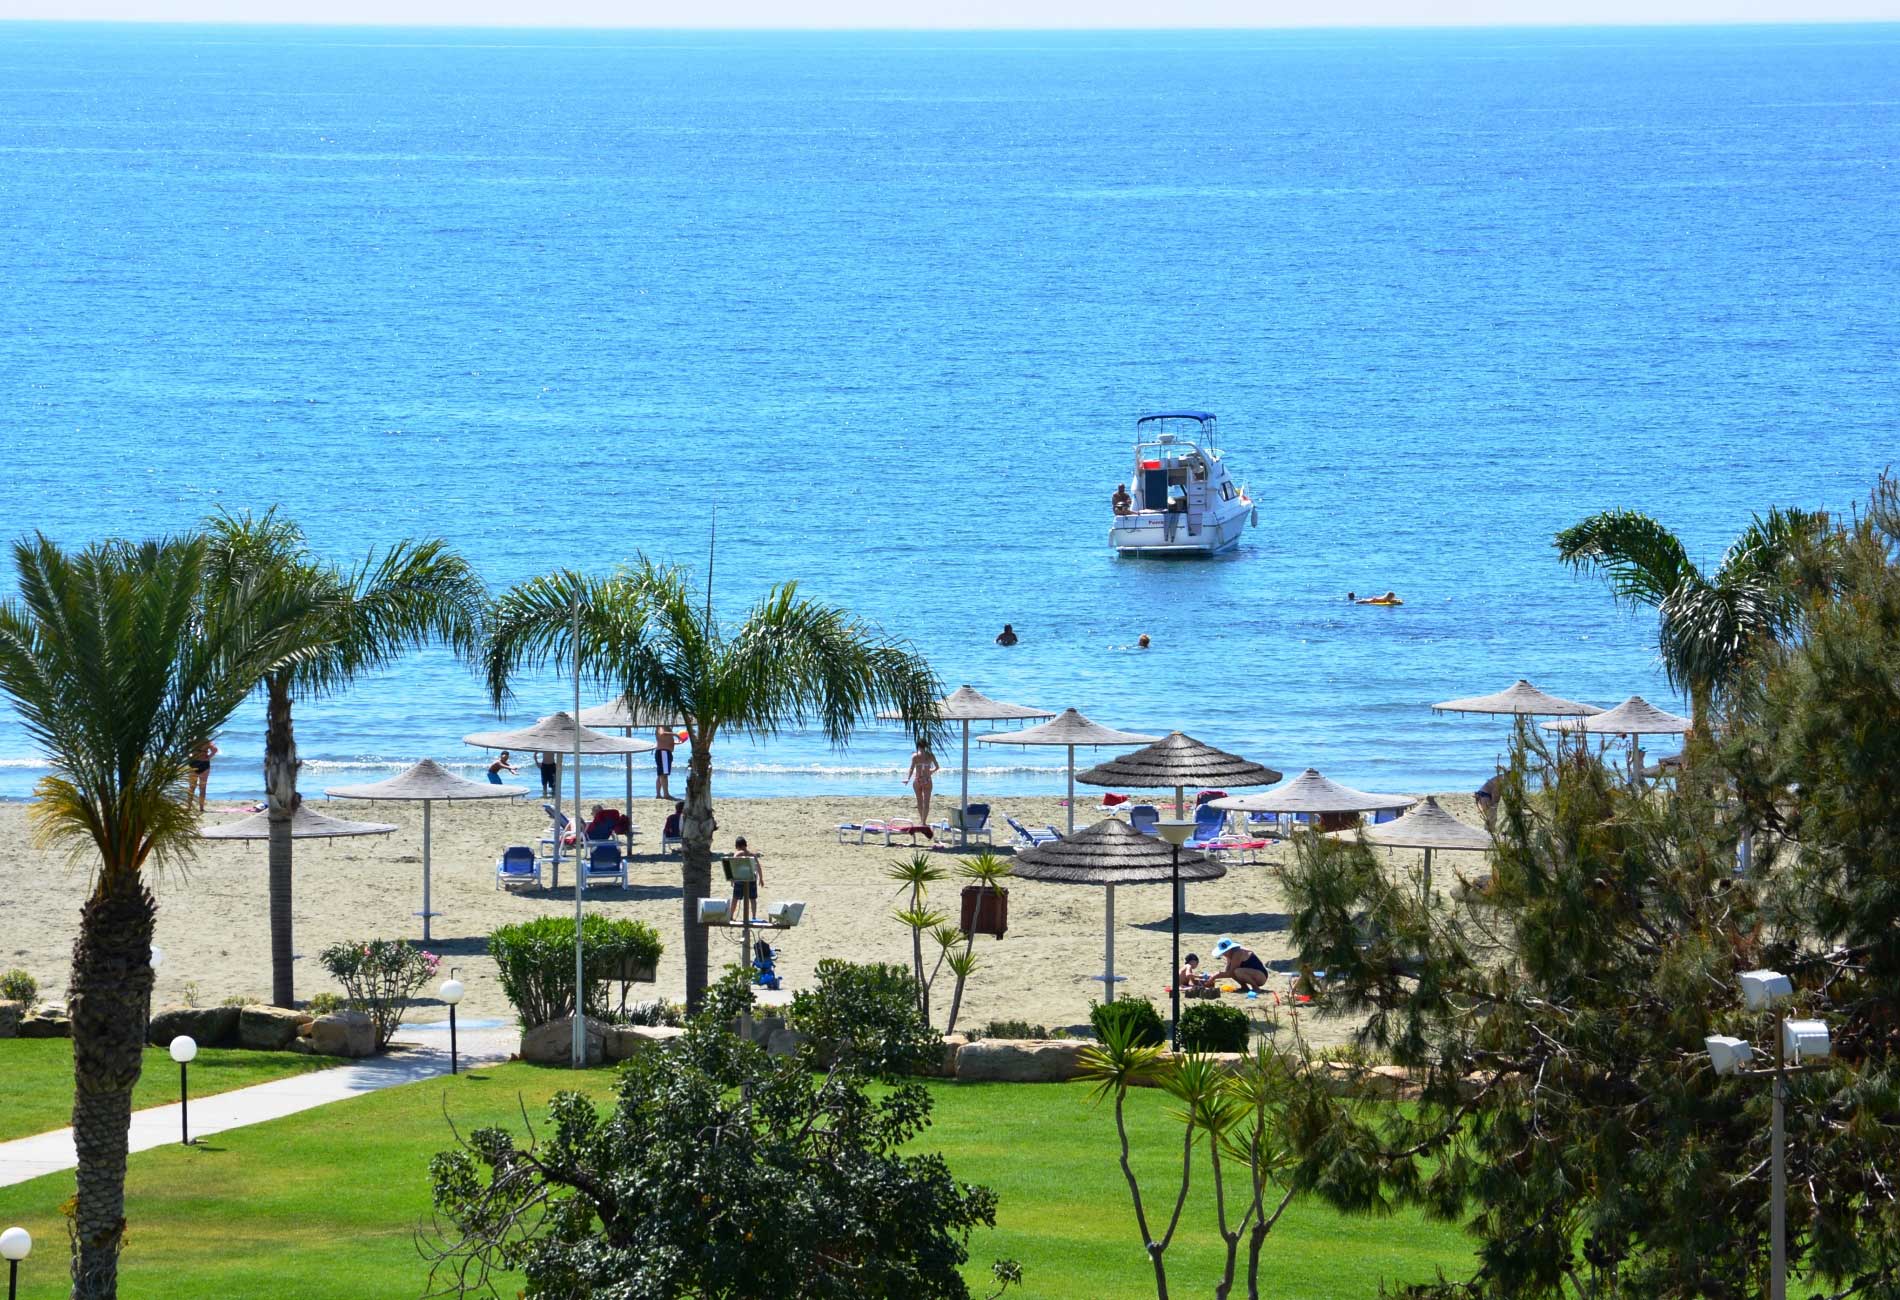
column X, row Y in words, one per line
column 879, row 310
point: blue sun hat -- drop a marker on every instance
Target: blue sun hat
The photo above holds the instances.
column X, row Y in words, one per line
column 1220, row 949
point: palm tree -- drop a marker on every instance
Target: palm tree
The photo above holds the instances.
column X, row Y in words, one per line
column 1708, row 625
column 354, row 622
column 120, row 671
column 643, row 632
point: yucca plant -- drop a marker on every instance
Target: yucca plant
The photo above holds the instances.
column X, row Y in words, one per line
column 120, row 668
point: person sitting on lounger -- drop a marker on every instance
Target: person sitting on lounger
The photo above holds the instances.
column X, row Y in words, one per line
column 1121, row 502
column 1244, row 966
column 670, row 829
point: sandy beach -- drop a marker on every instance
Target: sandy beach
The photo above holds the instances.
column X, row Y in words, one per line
column 212, row 921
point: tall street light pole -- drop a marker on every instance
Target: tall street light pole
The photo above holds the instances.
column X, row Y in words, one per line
column 1176, row 831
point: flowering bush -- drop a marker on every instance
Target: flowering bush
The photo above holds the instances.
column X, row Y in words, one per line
column 379, row 976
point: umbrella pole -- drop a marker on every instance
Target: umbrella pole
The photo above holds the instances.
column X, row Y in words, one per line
column 1108, row 948
column 963, row 813
column 1428, row 876
column 1111, row 897
column 579, row 1018
column 1174, row 975
column 426, row 913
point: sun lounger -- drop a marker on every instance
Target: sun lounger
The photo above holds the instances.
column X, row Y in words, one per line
column 606, row 864
column 878, row 826
column 1210, row 824
column 516, row 866
column 1028, row 839
column 973, row 822
column 1145, row 818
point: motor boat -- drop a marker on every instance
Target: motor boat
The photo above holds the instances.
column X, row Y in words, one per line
column 1183, row 502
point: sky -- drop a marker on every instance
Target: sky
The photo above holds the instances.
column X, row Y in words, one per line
column 955, row 14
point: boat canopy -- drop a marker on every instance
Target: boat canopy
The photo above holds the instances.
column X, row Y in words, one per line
column 1202, row 416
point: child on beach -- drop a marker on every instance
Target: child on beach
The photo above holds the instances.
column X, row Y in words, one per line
column 746, row 889
column 1189, row 977
column 500, row 765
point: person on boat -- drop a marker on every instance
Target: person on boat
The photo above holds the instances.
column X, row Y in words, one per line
column 923, row 768
column 1007, row 636
column 1244, row 966
column 1121, row 502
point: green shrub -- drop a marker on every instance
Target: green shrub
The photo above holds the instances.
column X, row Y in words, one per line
column 1214, row 1027
column 18, row 986
column 1138, row 1014
column 1009, row 1029
column 535, row 960
column 380, row 976
column 323, row 1004
column 239, row 1000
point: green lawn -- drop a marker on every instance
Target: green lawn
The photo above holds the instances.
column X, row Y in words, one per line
column 36, row 1079
column 325, row 1204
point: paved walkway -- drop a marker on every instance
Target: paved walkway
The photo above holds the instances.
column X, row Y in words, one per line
column 425, row 1055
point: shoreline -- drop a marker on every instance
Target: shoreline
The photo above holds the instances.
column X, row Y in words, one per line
column 213, row 927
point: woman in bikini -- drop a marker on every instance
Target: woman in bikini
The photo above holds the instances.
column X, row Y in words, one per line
column 923, row 766
column 200, row 773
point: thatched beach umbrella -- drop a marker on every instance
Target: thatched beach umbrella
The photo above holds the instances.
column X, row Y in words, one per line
column 1071, row 729
column 559, row 732
column 1521, row 699
column 1309, row 792
column 306, row 823
column 617, row 715
column 426, row 783
column 1175, row 762
column 1634, row 717
column 1111, row 853
column 966, row 705
column 1425, row 826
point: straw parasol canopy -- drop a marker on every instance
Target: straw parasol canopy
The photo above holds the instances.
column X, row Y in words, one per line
column 1071, row 729
column 1633, row 717
column 1112, row 853
column 425, row 783
column 1309, row 792
column 306, row 823
column 1178, row 761
column 1424, row 826
column 966, row 704
column 558, row 732
column 615, row 713
column 1522, row 699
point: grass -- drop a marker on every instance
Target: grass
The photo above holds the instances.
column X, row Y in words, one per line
column 324, row 1204
column 36, row 1079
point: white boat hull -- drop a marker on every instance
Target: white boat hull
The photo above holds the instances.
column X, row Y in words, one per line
column 1147, row 534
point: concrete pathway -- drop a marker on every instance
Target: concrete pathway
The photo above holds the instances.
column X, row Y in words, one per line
column 424, row 1055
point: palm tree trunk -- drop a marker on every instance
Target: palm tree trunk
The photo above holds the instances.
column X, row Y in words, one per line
column 110, row 990
column 696, row 835
column 280, row 784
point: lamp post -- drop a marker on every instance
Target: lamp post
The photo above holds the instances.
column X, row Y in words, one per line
column 184, row 1048
column 1767, row 990
column 1176, row 832
column 452, row 991
column 15, row 1245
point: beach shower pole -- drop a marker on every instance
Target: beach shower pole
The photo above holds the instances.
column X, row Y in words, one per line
column 580, row 868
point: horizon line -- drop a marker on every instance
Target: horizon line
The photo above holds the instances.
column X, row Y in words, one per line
column 476, row 24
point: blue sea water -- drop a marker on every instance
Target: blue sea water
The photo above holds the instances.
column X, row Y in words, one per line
column 890, row 304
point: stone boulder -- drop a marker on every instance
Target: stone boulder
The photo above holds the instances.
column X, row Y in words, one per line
column 341, row 1033
column 1382, row 1082
column 785, row 1041
column 11, row 1014
column 269, row 1029
column 47, row 1022
column 623, row 1041
column 205, row 1026
column 1003, row 1060
column 553, row 1043
column 945, row 1067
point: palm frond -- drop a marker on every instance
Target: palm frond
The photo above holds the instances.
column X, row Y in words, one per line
column 1644, row 562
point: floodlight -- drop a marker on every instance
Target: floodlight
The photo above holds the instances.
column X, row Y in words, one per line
column 785, row 915
column 1765, row 989
column 1804, row 1039
column 715, row 911
column 1728, row 1055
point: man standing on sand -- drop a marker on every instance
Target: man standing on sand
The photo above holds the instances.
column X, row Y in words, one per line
column 663, row 761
